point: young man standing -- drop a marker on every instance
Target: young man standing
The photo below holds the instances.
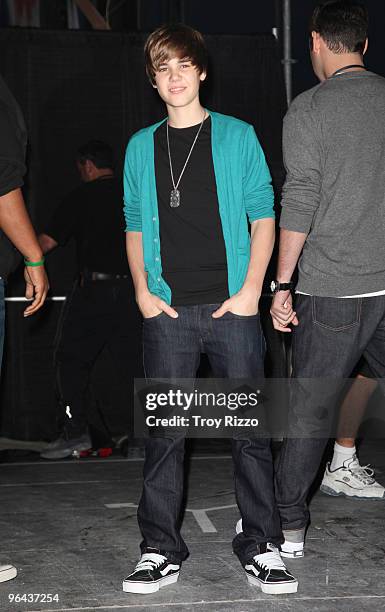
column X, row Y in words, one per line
column 333, row 211
column 191, row 183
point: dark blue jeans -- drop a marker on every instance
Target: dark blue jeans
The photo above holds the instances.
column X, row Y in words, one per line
column 332, row 335
column 235, row 347
column 2, row 320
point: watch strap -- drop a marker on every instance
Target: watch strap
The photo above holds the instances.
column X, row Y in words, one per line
column 277, row 286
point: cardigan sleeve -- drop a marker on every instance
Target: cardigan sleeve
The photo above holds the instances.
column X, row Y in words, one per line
column 132, row 206
column 257, row 188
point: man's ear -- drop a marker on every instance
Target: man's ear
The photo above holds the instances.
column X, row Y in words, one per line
column 316, row 42
column 366, row 46
column 89, row 166
column 202, row 76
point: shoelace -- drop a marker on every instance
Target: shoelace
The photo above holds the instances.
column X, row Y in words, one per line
column 270, row 560
column 149, row 561
column 363, row 473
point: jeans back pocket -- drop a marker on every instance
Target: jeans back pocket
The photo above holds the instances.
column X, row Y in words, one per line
column 336, row 314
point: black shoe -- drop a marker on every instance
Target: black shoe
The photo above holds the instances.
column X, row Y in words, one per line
column 268, row 571
column 153, row 572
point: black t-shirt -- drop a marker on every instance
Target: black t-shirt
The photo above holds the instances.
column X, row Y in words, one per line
column 192, row 246
column 93, row 215
column 13, row 141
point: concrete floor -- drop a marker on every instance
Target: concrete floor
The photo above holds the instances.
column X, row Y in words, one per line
column 70, row 528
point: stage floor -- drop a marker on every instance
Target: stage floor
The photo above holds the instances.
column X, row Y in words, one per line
column 70, row 528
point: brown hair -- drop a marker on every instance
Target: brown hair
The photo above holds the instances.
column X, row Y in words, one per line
column 170, row 41
column 343, row 25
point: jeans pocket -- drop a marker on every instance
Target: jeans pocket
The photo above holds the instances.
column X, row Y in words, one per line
column 336, row 314
column 238, row 316
column 158, row 316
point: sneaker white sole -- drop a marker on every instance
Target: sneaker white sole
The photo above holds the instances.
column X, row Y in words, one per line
column 296, row 554
column 8, row 572
column 274, row 589
column 349, row 493
column 64, row 454
column 151, row 587
column 292, row 550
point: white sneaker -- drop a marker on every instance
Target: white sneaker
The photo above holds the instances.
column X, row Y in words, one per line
column 64, row 447
column 289, row 549
column 292, row 548
column 153, row 572
column 352, row 480
column 238, row 527
column 7, row 572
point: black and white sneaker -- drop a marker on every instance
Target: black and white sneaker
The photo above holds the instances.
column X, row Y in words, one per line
column 268, row 571
column 153, row 572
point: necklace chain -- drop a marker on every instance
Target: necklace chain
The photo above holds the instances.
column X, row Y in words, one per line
column 344, row 68
column 175, row 194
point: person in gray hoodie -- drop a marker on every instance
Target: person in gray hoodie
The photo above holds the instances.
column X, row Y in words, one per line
column 333, row 222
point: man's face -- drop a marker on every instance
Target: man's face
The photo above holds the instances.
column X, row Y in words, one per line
column 178, row 81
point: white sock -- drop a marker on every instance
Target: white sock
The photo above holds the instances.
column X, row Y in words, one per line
column 341, row 453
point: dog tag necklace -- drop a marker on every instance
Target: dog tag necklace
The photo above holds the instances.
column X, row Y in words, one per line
column 175, row 193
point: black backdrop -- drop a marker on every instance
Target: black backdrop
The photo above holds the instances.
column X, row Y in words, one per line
column 73, row 86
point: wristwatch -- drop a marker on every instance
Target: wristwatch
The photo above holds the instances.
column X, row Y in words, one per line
column 276, row 286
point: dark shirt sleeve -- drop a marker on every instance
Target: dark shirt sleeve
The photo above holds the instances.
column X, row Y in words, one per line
column 12, row 166
column 11, row 177
column 64, row 220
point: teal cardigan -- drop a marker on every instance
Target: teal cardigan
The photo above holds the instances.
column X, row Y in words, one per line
column 244, row 193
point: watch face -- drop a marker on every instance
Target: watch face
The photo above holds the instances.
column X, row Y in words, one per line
column 273, row 286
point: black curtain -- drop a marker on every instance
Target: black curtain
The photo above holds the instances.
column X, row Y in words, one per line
column 73, row 86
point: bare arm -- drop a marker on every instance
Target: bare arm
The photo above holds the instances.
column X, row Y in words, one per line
column 47, row 243
column 16, row 224
column 262, row 244
column 149, row 305
column 290, row 248
column 245, row 302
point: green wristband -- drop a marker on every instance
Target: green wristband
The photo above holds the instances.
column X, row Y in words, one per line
column 34, row 264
